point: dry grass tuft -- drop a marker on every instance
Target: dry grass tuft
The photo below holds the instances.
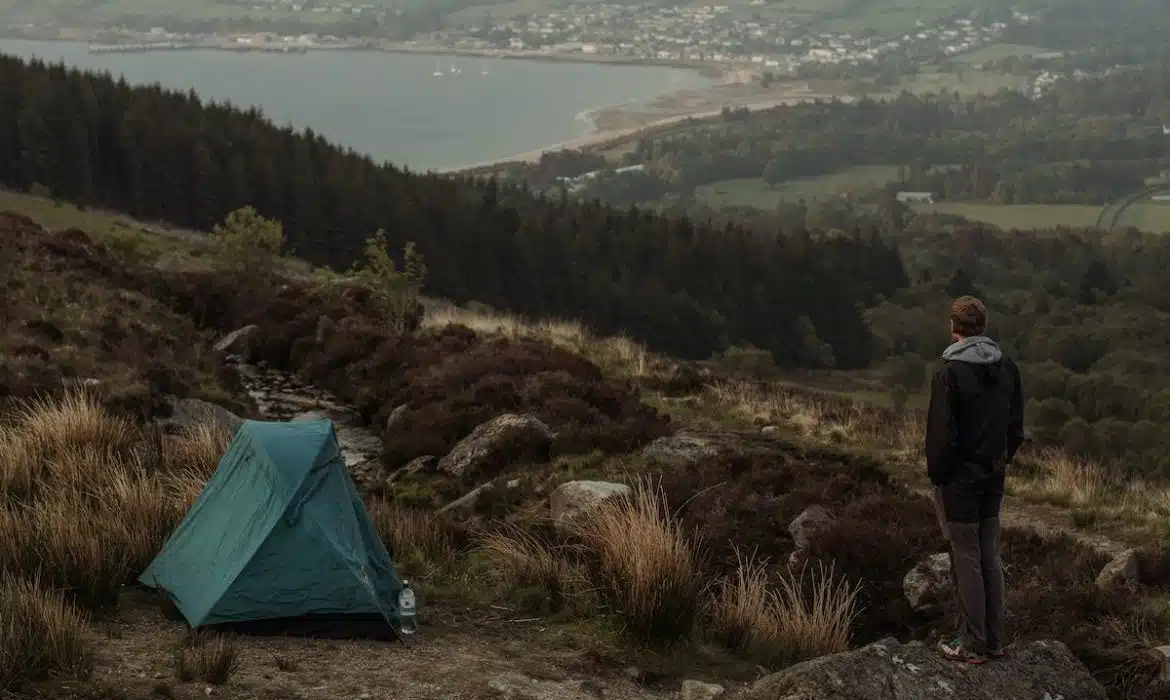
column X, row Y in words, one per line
column 154, row 515
column 76, row 420
column 1056, row 477
column 531, row 561
column 85, row 503
column 798, row 620
column 414, row 536
column 741, row 609
column 648, row 564
column 1067, row 480
column 208, row 657
column 40, row 634
column 65, row 544
column 814, row 619
column 198, row 448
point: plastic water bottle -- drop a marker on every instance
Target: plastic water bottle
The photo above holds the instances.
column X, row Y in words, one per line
column 406, row 611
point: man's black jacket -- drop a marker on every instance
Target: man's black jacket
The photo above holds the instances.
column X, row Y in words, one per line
column 975, row 423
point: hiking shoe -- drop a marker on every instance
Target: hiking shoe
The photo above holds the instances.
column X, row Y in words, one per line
column 997, row 654
column 955, row 651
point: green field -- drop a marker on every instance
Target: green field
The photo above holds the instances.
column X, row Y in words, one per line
column 505, row 10
column 1147, row 215
column 1021, row 216
column 965, row 82
column 998, row 52
column 885, row 17
column 753, row 192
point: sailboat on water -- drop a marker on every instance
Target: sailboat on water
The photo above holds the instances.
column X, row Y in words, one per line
column 438, row 70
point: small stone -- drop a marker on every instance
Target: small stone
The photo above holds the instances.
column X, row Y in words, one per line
column 698, row 690
column 423, row 464
column 468, row 500
column 1121, row 572
column 927, row 584
column 769, row 430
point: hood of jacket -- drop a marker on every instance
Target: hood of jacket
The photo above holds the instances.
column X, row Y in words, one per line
column 976, row 350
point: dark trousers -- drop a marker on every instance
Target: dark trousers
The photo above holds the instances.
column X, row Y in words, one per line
column 969, row 517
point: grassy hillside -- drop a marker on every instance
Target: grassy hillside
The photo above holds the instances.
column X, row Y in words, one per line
column 89, row 491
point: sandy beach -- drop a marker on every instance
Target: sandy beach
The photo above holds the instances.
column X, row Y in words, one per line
column 614, row 124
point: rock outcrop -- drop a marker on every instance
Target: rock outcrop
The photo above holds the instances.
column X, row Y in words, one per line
column 689, row 447
column 188, row 413
column 498, row 443
column 888, row 670
column 573, row 498
column 681, row 450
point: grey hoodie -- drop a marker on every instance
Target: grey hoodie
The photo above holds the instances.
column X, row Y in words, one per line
column 976, row 350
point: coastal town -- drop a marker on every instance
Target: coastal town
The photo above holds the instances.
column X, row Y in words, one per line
column 720, row 36
column 712, row 34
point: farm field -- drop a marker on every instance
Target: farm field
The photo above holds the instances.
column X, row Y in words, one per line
column 1021, row 216
column 499, row 11
column 1147, row 215
column 997, row 52
column 965, row 82
column 754, row 192
column 881, row 16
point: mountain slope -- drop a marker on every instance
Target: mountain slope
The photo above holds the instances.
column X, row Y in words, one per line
column 683, row 287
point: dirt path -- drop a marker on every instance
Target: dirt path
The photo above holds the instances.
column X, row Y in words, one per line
column 1047, row 519
column 452, row 660
column 282, row 396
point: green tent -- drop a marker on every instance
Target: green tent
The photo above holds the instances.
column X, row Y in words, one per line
column 280, row 541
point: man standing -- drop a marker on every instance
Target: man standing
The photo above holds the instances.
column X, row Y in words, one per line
column 975, row 425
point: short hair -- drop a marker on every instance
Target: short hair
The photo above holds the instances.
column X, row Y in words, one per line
column 968, row 316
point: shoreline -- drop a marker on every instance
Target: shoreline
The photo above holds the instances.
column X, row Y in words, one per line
column 704, row 68
column 609, row 138
column 608, row 125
